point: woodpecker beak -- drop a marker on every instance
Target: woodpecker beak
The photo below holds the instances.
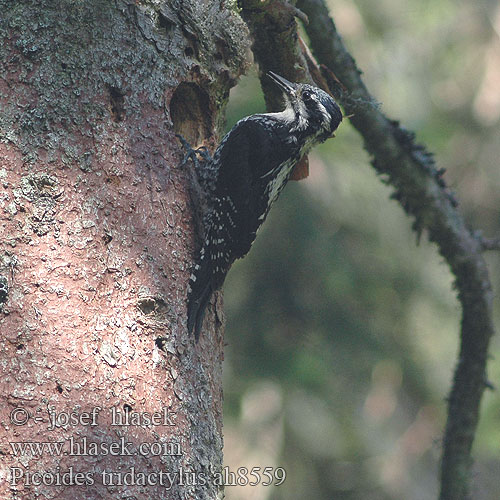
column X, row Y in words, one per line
column 283, row 83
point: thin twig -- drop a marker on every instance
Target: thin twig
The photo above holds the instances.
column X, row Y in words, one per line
column 490, row 243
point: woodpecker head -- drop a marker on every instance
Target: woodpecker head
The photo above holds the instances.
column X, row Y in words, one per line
column 308, row 107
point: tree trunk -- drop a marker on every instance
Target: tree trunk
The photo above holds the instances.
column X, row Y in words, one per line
column 96, row 246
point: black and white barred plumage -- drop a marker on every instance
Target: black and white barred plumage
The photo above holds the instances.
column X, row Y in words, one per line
column 252, row 165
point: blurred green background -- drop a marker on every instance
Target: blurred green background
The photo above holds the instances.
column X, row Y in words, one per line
column 342, row 333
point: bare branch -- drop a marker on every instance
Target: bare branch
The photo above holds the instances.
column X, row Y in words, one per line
column 275, row 44
column 421, row 191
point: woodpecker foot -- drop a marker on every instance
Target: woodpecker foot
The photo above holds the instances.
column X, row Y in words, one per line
column 192, row 154
column 198, row 184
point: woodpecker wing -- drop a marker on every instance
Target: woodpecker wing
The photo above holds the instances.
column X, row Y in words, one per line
column 246, row 161
column 250, row 157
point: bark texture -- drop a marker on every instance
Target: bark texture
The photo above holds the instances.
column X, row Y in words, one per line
column 96, row 244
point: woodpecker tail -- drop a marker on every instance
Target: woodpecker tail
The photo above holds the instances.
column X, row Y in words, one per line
column 196, row 311
column 210, row 271
column 200, row 291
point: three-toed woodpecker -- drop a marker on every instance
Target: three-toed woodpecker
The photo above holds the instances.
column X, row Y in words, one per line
column 250, row 168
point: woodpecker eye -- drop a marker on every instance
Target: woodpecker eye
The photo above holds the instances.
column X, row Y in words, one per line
column 306, row 95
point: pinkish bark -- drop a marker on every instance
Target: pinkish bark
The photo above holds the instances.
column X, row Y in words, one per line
column 96, row 245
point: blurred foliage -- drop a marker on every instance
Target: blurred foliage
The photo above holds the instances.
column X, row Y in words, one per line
column 342, row 333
